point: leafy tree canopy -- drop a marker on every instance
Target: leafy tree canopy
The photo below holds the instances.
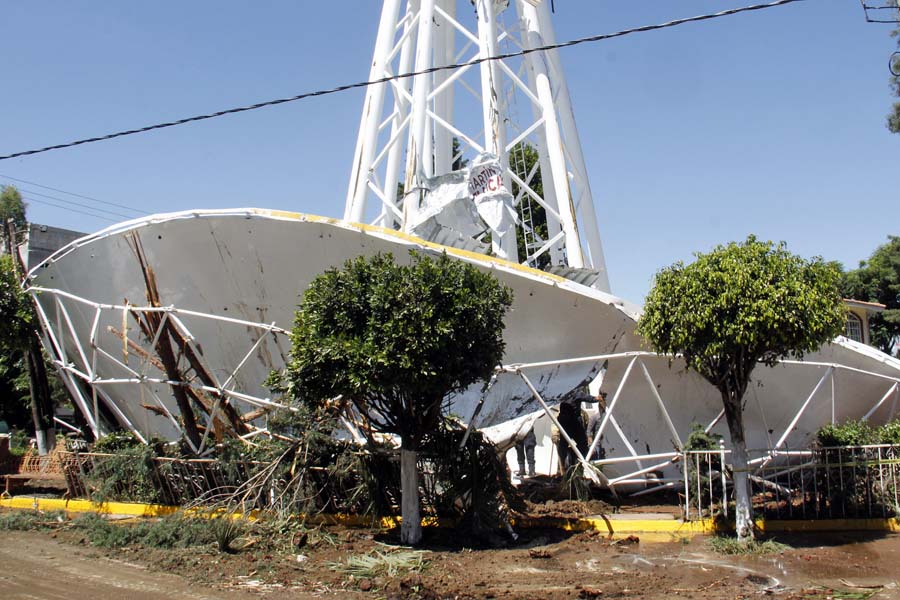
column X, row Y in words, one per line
column 396, row 339
column 12, row 207
column 878, row 280
column 17, row 320
column 740, row 304
column 893, row 118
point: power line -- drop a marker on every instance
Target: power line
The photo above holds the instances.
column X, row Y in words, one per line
column 92, row 199
column 362, row 84
column 74, row 203
column 74, row 210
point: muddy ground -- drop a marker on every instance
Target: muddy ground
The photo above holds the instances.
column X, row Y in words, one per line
column 543, row 564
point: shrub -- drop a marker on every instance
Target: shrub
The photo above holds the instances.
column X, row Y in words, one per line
column 849, row 433
column 28, row 520
column 18, row 443
column 174, row 531
column 116, row 442
column 732, row 546
column 889, row 433
column 128, row 475
column 699, row 439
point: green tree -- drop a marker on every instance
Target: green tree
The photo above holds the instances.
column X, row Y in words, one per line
column 14, row 401
column 523, row 159
column 18, row 325
column 12, row 207
column 395, row 340
column 18, row 341
column 893, row 118
column 737, row 306
column 15, row 407
column 878, row 280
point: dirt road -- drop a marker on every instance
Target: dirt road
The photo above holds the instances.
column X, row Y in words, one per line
column 32, row 565
column 35, row 565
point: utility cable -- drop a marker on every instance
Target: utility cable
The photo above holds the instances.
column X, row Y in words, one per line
column 74, row 210
column 362, row 84
column 92, row 199
column 73, row 203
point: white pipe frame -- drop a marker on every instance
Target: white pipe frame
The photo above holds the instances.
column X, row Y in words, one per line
column 559, row 173
column 369, row 127
column 590, row 470
column 60, row 336
column 430, row 31
column 572, row 145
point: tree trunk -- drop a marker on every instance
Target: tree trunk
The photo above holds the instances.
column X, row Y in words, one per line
column 411, row 526
column 743, row 508
column 41, row 403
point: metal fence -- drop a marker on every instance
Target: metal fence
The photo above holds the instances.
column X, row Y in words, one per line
column 819, row 483
column 156, row 480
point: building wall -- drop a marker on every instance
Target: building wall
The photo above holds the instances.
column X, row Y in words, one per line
column 44, row 240
column 863, row 316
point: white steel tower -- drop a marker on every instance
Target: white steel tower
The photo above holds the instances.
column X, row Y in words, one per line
column 519, row 109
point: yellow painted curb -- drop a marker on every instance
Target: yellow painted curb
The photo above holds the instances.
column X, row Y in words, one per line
column 603, row 524
column 131, row 509
column 613, row 526
column 813, row 525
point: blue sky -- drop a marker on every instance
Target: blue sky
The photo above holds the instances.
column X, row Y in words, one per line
column 769, row 123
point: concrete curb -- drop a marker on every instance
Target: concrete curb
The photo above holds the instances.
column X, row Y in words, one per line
column 614, row 525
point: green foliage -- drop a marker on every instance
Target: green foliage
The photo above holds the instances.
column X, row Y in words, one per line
column 851, row 482
column 471, row 484
column 697, row 467
column 28, row 520
column 18, row 326
column 732, row 546
column 699, row 439
column 12, row 207
column 396, row 339
column 878, row 280
column 858, row 433
column 459, row 162
column 116, row 442
column 174, row 531
column 522, row 159
column 388, row 562
column 740, row 304
column 889, row 433
column 129, row 474
column 893, row 118
column 15, row 408
column 849, row 433
column 753, row 299
column 17, row 320
column 226, row 530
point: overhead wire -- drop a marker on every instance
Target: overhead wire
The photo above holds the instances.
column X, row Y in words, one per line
column 24, row 191
column 70, row 209
column 91, row 198
column 400, row 76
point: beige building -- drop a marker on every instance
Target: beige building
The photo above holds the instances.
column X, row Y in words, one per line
column 858, row 313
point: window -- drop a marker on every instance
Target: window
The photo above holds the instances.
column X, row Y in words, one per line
column 853, row 329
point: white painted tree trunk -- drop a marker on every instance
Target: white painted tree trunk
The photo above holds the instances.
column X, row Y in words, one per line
column 46, row 440
column 411, row 527
column 743, row 517
column 742, row 513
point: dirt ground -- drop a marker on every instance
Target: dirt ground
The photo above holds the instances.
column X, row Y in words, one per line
column 543, row 564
